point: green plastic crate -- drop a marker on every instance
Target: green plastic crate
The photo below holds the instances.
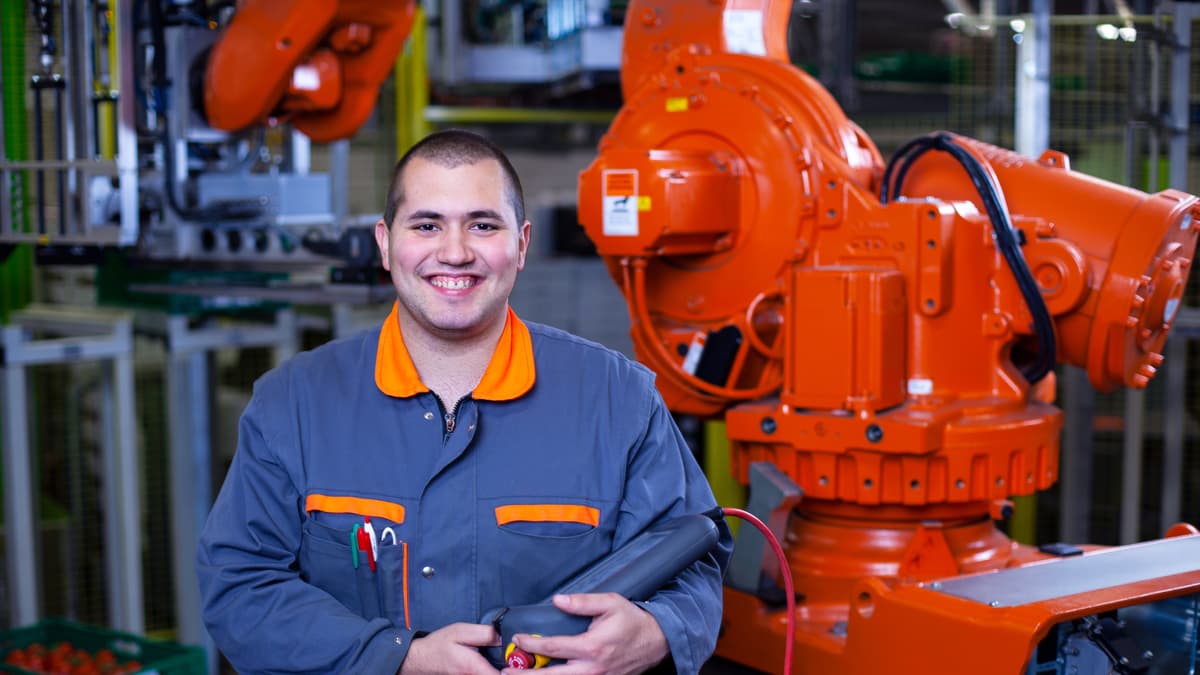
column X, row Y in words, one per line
column 156, row 656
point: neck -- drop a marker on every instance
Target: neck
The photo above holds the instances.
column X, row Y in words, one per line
column 451, row 366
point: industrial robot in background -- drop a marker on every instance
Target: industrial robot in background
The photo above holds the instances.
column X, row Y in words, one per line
column 322, row 76
column 875, row 338
column 161, row 111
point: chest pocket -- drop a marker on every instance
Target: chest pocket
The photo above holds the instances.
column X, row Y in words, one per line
column 326, row 562
column 327, row 558
column 536, row 547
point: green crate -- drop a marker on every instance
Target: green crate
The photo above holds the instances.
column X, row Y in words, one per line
column 156, row 656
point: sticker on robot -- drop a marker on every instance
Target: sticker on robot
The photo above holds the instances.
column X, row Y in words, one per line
column 920, row 386
column 620, row 203
column 743, row 30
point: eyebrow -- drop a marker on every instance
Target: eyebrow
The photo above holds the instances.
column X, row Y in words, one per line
column 484, row 213
column 425, row 214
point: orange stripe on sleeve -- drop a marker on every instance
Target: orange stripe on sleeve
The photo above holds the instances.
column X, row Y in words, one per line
column 356, row 505
column 547, row 513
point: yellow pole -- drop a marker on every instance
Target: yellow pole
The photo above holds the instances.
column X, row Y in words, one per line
column 725, row 488
column 106, row 112
column 412, row 88
column 1023, row 528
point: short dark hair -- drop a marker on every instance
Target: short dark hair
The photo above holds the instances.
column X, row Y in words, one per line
column 452, row 148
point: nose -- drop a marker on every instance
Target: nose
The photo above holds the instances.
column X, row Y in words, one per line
column 455, row 248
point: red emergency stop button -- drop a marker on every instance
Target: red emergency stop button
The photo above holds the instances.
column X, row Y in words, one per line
column 519, row 659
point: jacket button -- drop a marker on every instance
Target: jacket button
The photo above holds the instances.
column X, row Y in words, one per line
column 427, row 572
column 428, row 415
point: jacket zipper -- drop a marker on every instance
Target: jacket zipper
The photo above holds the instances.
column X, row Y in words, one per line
column 449, row 417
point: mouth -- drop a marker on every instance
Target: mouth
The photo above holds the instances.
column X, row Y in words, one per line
column 452, row 283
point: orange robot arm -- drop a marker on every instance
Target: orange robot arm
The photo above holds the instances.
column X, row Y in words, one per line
column 316, row 63
column 877, row 333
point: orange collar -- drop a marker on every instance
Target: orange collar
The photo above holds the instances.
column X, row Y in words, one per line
column 509, row 375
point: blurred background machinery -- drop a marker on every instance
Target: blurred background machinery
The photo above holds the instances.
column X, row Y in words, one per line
column 207, row 157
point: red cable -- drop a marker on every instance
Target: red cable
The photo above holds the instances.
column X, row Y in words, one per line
column 787, row 580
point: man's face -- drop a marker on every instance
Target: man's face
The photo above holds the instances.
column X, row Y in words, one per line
column 454, row 248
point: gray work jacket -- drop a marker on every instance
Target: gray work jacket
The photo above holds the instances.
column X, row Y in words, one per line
column 564, row 452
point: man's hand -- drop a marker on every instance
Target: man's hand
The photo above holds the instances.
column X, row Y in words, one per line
column 622, row 639
column 451, row 649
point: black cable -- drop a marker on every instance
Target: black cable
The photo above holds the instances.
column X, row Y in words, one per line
column 1005, row 234
column 918, row 146
column 159, row 83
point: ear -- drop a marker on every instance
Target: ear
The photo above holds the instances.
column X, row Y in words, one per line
column 381, row 240
column 523, row 245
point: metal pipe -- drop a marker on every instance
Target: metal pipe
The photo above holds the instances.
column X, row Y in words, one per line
column 123, row 499
column 39, row 153
column 1175, row 415
column 1079, row 406
column 450, row 41
column 127, row 160
column 1134, row 433
column 190, row 450
column 1131, row 474
column 60, row 153
column 1033, row 84
column 339, row 179
column 20, row 518
column 80, row 118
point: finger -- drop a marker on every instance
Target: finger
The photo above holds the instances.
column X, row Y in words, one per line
column 563, row 647
column 589, row 604
column 476, row 664
column 473, row 634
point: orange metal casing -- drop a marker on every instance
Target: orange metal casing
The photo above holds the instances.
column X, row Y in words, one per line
column 863, row 313
column 691, row 205
column 253, row 65
column 896, row 626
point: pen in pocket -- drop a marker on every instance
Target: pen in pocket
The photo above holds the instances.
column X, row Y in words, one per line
column 364, row 540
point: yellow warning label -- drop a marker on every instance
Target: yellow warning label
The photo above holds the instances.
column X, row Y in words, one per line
column 644, row 203
column 677, row 104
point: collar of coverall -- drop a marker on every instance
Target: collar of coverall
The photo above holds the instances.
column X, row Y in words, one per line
column 509, row 375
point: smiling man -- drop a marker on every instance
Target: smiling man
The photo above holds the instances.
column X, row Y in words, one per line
column 390, row 488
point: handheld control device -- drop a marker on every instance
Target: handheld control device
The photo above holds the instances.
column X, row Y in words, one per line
column 635, row 571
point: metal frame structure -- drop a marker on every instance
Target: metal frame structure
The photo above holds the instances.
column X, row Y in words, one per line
column 189, row 418
column 90, row 336
column 85, row 197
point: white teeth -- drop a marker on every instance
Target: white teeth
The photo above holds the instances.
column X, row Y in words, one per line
column 454, row 284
